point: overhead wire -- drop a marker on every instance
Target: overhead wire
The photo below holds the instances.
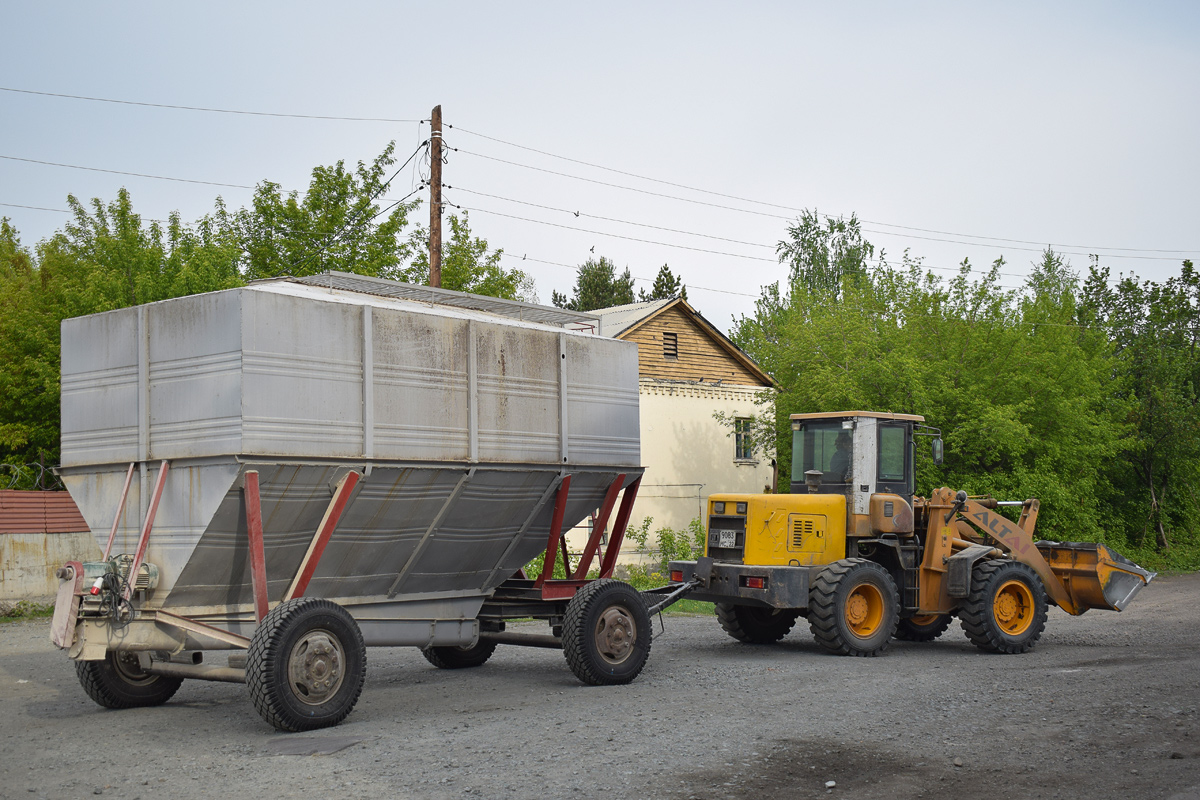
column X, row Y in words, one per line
column 207, row 109
column 793, row 209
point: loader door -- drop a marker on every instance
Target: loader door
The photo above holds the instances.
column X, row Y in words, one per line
column 894, row 469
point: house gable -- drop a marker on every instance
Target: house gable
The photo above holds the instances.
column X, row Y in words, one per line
column 675, row 343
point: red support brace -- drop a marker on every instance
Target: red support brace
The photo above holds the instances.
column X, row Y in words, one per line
column 560, row 508
column 593, row 543
column 120, row 509
column 618, row 534
column 144, row 539
column 254, row 530
column 308, row 566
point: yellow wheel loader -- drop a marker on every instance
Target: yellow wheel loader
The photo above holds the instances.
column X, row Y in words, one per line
column 853, row 550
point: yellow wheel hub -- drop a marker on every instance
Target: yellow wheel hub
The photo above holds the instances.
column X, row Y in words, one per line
column 864, row 610
column 1013, row 607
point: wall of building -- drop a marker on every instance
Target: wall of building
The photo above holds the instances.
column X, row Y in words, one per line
column 688, row 455
column 39, row 531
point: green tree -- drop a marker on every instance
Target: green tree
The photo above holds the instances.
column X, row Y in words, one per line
column 822, row 256
column 469, row 266
column 666, row 286
column 597, row 285
column 337, row 225
column 1155, row 329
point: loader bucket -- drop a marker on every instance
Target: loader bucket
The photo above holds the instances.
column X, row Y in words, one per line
column 1094, row 575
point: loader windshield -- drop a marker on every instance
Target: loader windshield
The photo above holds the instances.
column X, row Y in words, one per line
column 824, row 446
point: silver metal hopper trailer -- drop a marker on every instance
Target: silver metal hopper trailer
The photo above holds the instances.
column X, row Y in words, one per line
column 301, row 468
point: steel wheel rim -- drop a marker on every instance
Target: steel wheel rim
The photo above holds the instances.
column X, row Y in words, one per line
column 864, row 610
column 616, row 634
column 316, row 667
column 1013, row 607
column 130, row 669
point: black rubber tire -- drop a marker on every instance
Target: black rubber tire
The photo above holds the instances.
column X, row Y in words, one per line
column 118, row 682
column 291, row 625
column 911, row 631
column 849, row 581
column 754, row 625
column 979, row 614
column 459, row 657
column 600, row 606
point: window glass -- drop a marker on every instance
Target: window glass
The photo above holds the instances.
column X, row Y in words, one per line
column 891, row 453
column 824, row 446
column 741, row 436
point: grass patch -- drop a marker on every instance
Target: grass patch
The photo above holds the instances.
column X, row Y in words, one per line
column 23, row 610
column 686, row 606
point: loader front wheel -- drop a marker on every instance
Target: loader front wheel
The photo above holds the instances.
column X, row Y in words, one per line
column 924, row 628
column 119, row 682
column 306, row 665
column 755, row 625
column 459, row 657
column 852, row 608
column 606, row 633
column 1006, row 610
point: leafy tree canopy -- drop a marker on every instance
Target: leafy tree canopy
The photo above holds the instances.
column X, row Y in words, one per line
column 666, row 286
column 469, row 266
column 597, row 285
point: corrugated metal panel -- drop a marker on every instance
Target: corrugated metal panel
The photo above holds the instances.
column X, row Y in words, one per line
column 39, row 512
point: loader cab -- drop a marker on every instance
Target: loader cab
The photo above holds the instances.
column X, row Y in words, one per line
column 856, row 453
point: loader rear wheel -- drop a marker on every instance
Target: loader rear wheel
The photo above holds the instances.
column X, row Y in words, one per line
column 459, row 657
column 119, row 682
column 923, row 628
column 1006, row 610
column 852, row 608
column 755, row 625
column 306, row 665
column 606, row 633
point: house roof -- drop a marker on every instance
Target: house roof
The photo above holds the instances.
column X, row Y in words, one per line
column 617, row 319
column 39, row 512
column 621, row 321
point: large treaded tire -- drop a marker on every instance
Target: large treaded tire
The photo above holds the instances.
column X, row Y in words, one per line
column 119, row 682
column 606, row 633
column 853, row 608
column 1006, row 610
column 754, row 625
column 917, row 629
column 459, row 657
column 301, row 644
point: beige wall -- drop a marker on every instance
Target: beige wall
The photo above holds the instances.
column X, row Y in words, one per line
column 28, row 562
column 688, row 455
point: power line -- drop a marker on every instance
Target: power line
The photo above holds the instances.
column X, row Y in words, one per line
column 779, row 206
column 133, row 174
column 209, row 110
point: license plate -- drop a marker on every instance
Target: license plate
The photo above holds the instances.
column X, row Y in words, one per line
column 727, row 539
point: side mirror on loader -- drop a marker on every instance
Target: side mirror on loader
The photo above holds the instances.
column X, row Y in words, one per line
column 937, row 451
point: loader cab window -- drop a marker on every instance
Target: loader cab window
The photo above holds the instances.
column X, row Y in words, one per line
column 894, row 470
column 824, row 446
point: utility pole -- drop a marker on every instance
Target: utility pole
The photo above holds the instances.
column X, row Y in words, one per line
column 435, row 198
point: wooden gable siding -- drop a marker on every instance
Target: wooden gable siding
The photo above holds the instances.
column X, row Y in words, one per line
column 699, row 356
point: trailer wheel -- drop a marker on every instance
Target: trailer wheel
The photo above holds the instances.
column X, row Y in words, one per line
column 1006, row 610
column 923, row 628
column 606, row 633
column 119, row 682
column 459, row 657
column 755, row 625
column 852, row 608
column 306, row 665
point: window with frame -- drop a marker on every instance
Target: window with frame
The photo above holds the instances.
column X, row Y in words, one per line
column 671, row 346
column 743, row 447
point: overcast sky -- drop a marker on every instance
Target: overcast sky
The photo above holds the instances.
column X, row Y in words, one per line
column 1073, row 124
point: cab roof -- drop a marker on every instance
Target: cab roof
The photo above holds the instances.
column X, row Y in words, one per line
column 845, row 414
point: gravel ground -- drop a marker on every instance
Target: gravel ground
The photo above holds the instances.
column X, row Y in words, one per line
column 1106, row 706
